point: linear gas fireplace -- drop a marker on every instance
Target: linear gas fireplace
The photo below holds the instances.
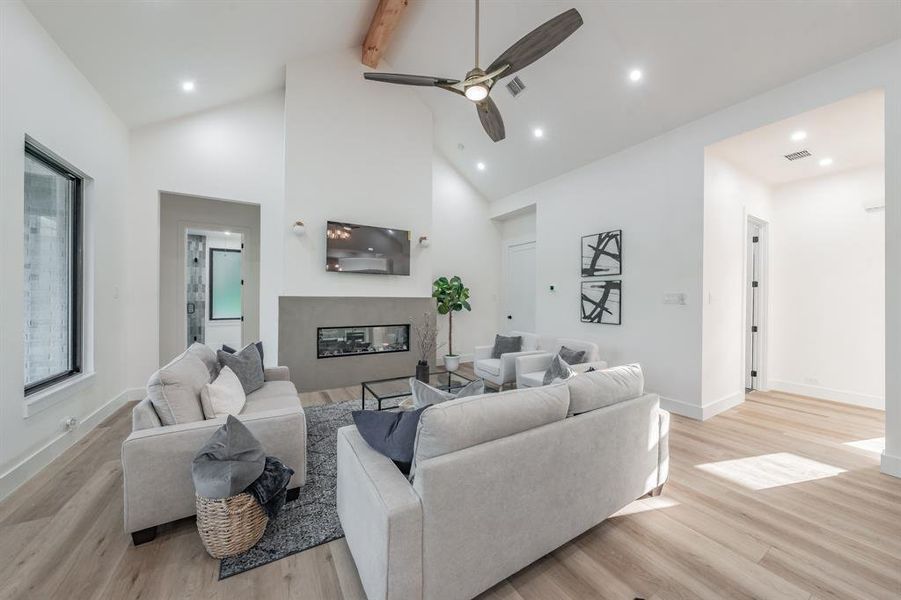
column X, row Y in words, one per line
column 357, row 340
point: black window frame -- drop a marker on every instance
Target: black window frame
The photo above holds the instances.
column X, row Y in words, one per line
column 76, row 298
column 239, row 318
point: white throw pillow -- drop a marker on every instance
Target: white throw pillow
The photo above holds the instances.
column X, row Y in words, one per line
column 224, row 396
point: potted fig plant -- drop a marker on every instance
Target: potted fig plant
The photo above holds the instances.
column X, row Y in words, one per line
column 451, row 296
column 426, row 344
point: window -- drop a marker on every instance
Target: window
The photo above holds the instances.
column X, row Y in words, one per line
column 225, row 284
column 53, row 271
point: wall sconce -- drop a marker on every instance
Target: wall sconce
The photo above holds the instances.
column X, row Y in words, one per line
column 299, row 228
column 424, row 241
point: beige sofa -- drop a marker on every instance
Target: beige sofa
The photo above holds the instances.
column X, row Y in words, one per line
column 498, row 481
column 156, row 458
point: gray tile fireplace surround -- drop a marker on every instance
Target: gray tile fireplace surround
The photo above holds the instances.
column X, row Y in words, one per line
column 299, row 317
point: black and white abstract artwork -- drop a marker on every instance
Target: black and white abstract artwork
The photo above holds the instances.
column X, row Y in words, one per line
column 602, row 301
column 602, row 254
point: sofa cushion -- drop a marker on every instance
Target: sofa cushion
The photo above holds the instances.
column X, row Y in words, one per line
column 223, row 396
column 504, row 344
column 559, row 370
column 390, row 433
column 143, row 416
column 458, row 424
column 490, row 365
column 597, row 389
column 274, row 395
column 426, row 395
column 259, row 345
column 208, row 356
column 570, row 356
column 174, row 390
column 247, row 365
column 228, row 462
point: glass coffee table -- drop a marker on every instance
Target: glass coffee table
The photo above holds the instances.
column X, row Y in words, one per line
column 395, row 388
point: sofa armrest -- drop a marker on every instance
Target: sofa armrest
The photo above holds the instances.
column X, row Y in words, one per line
column 533, row 362
column 482, row 352
column 277, row 374
column 156, row 463
column 381, row 516
column 508, row 362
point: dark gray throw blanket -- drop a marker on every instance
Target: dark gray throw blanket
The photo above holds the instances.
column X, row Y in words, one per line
column 271, row 488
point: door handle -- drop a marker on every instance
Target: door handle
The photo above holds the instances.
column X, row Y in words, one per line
column 509, row 316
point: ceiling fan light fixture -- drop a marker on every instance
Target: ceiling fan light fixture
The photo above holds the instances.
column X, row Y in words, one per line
column 477, row 92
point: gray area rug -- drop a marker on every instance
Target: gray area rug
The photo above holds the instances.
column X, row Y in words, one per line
column 312, row 519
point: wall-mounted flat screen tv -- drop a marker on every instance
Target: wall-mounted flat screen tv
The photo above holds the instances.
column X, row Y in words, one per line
column 354, row 248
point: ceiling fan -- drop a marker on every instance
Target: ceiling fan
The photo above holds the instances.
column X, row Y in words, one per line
column 478, row 83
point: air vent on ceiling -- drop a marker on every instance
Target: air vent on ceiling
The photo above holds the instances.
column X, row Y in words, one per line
column 797, row 155
column 516, row 87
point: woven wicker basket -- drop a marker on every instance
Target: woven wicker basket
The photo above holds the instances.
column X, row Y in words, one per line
column 230, row 526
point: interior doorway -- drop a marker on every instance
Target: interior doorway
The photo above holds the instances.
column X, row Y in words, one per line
column 209, row 273
column 519, row 286
column 214, row 288
column 755, row 304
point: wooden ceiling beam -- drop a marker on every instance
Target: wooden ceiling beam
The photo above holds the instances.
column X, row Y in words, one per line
column 387, row 16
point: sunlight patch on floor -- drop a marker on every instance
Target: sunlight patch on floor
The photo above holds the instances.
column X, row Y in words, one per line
column 770, row 470
column 876, row 445
column 646, row 504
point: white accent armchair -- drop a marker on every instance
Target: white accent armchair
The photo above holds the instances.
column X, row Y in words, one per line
column 530, row 369
column 502, row 370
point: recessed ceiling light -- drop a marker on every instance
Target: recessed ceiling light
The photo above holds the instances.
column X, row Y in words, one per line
column 228, row 233
column 635, row 75
column 825, row 162
column 187, row 86
column 799, row 135
column 480, row 166
column 538, row 132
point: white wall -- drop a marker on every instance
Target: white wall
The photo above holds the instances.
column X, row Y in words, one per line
column 47, row 98
column 519, row 226
column 828, row 288
column 359, row 152
column 654, row 192
column 235, row 152
column 730, row 197
column 465, row 242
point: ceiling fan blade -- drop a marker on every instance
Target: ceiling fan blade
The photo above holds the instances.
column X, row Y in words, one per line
column 537, row 43
column 402, row 79
column 491, row 119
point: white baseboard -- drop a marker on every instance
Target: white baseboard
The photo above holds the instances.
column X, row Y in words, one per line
column 30, row 466
column 890, row 465
column 692, row 411
column 824, row 393
column 464, row 358
column 711, row 409
column 704, row 412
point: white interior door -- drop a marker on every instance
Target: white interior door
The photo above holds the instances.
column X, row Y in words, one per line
column 519, row 287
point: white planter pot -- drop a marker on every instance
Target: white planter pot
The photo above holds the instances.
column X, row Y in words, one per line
column 451, row 363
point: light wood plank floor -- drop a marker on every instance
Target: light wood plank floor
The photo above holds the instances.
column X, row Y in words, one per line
column 769, row 500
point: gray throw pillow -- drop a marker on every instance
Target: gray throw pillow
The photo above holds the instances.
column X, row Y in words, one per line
column 426, row 395
column 259, row 345
column 558, row 370
column 504, row 344
column 572, row 357
column 247, row 365
column 230, row 461
column 390, row 433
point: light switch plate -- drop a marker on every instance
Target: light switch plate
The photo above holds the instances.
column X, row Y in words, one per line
column 674, row 298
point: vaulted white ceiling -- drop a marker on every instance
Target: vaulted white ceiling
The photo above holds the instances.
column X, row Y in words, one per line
column 697, row 57
column 848, row 134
